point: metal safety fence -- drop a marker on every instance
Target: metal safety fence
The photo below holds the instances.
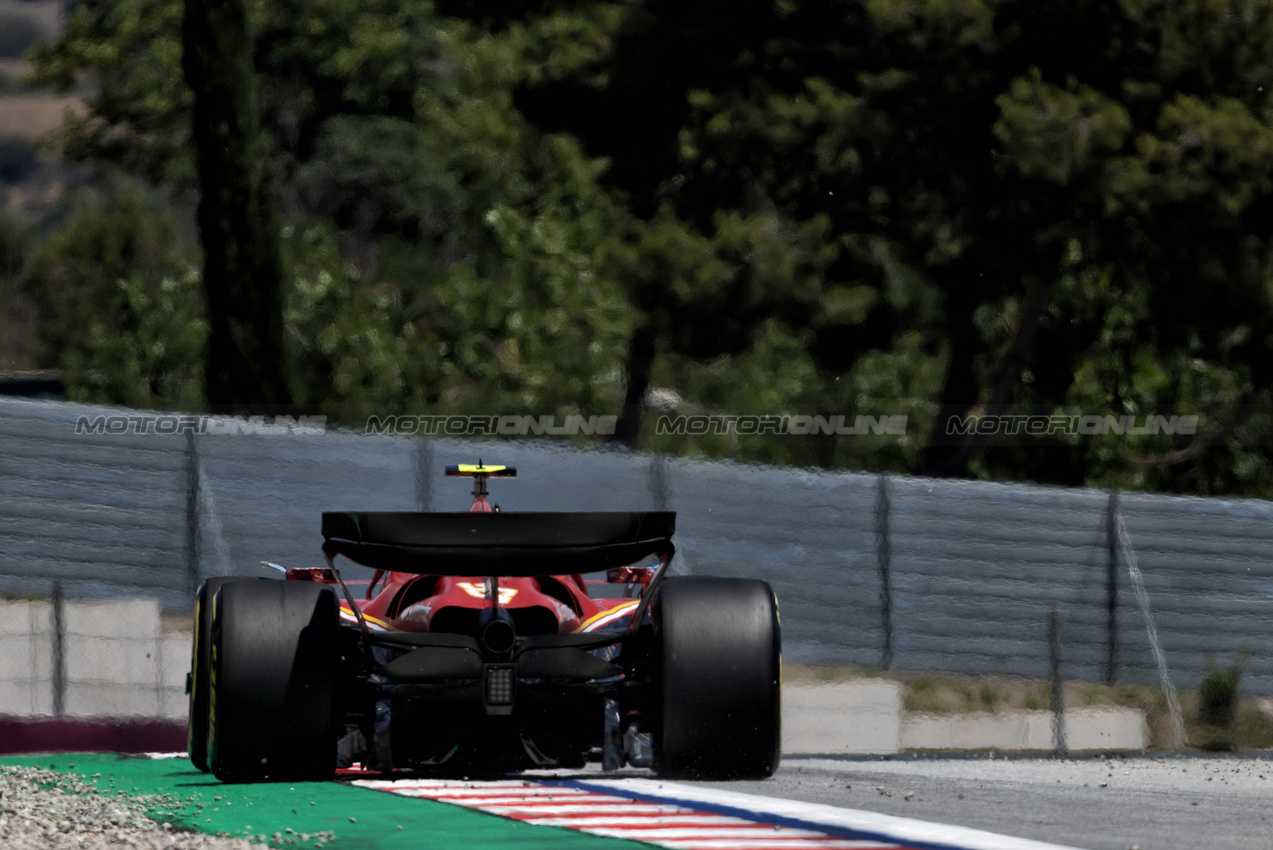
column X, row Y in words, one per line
column 889, row 572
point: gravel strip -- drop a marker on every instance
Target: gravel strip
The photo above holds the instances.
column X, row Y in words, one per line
column 43, row 810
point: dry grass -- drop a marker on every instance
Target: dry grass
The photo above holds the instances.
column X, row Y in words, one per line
column 815, row 674
column 35, row 116
column 173, row 622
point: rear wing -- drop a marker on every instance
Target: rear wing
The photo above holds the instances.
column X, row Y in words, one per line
column 473, row 470
column 508, row 544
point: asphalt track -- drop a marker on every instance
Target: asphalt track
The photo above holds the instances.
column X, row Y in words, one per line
column 1150, row 803
column 1154, row 802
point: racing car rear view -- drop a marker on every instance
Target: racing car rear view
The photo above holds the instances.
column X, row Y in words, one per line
column 477, row 647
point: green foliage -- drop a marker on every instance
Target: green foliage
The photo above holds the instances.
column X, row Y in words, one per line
column 1053, row 133
column 72, row 277
column 777, row 375
column 556, row 322
column 1218, row 702
column 139, row 115
column 902, row 207
column 437, row 185
column 548, row 337
column 1218, row 692
column 119, row 303
column 1218, row 696
column 147, row 352
column 17, row 314
column 345, row 349
column 315, row 60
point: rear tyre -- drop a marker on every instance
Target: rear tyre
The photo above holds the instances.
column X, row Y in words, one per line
column 200, row 671
column 717, row 678
column 273, row 669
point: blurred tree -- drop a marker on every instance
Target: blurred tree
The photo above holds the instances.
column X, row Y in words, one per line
column 704, row 277
column 939, row 209
column 17, row 319
column 146, row 351
column 1158, row 146
column 966, row 167
column 312, row 61
column 238, row 213
column 399, row 130
column 71, row 277
column 138, row 114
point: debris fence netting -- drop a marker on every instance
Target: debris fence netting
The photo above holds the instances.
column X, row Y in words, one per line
column 900, row 572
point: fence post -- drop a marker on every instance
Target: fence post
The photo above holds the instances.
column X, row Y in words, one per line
column 657, row 478
column 1111, row 589
column 424, row 474
column 59, row 651
column 192, row 512
column 884, row 555
column 1058, row 689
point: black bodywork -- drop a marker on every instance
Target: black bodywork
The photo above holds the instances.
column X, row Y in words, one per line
column 494, row 699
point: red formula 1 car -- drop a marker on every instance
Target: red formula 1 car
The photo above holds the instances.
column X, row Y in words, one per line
column 477, row 648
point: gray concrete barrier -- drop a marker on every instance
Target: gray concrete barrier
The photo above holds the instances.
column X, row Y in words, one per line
column 853, row 717
column 115, row 660
column 26, row 658
column 1085, row 729
column 118, row 663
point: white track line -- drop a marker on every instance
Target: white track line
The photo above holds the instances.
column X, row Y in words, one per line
column 533, row 791
column 777, row 844
column 900, row 829
column 758, row 830
column 764, row 844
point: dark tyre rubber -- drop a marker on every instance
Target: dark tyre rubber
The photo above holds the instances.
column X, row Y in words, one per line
column 200, row 671
column 717, row 678
column 273, row 668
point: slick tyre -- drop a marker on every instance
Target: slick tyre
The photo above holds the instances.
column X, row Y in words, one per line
column 200, row 671
column 717, row 678
column 271, row 697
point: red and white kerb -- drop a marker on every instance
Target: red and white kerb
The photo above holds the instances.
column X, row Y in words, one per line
column 663, row 824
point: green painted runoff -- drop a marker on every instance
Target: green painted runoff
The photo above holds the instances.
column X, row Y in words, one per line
column 359, row 818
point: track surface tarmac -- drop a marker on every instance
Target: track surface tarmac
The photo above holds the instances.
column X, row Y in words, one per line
column 1168, row 802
